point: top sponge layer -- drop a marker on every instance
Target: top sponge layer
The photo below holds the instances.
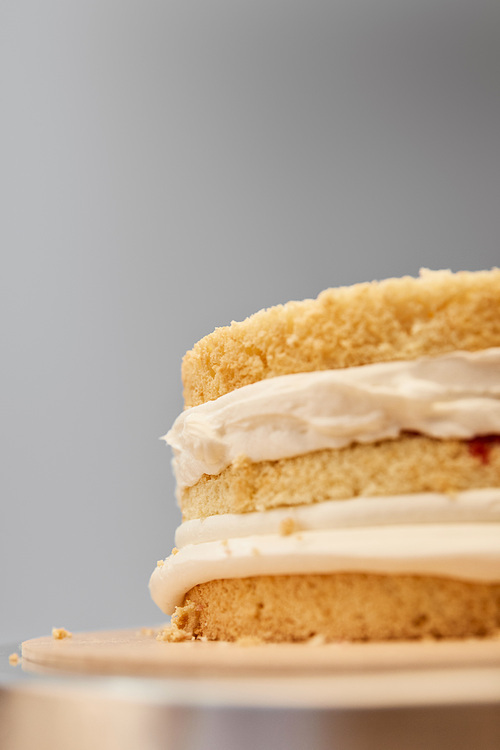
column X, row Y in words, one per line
column 373, row 322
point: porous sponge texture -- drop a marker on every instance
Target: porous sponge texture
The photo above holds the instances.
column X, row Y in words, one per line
column 342, row 606
column 394, row 319
column 412, row 463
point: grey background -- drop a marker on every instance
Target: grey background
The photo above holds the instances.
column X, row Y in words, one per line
column 166, row 167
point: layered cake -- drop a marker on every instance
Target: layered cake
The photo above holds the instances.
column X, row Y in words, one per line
column 338, row 468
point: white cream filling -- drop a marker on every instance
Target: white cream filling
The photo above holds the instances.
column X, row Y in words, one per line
column 456, row 395
column 455, row 536
column 469, row 551
column 482, row 505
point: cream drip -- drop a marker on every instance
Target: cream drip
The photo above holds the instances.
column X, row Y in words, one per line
column 455, row 395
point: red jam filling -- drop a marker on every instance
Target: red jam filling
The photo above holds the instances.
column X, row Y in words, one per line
column 480, row 447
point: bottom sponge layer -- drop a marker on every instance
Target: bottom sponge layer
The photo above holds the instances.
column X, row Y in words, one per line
column 340, row 606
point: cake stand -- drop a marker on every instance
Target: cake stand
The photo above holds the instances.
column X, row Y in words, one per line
column 124, row 689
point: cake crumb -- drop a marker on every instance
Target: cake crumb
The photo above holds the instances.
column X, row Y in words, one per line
column 175, row 550
column 59, row 633
column 14, row 659
column 174, row 634
column 187, row 616
column 316, row 640
column 148, row 631
column 287, row 526
column 183, row 624
column 225, row 544
column 240, row 460
column 256, row 551
column 249, row 640
column 160, row 563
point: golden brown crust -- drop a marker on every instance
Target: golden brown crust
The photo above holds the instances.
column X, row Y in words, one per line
column 395, row 319
column 343, row 606
column 413, row 463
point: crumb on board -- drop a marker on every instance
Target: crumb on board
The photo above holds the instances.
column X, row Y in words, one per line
column 174, row 634
column 287, row 526
column 183, row 626
column 59, row 633
column 148, row 631
column 316, row 640
column 14, row 659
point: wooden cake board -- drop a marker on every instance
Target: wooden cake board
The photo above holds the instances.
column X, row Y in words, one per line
column 302, row 674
